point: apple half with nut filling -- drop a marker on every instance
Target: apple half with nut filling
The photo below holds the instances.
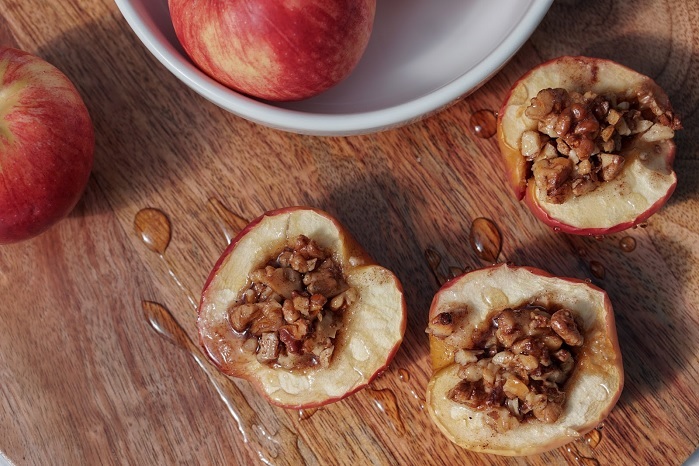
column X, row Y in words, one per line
column 588, row 143
column 297, row 307
column 523, row 361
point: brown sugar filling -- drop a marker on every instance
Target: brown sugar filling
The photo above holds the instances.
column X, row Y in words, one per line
column 291, row 312
column 517, row 367
column 579, row 138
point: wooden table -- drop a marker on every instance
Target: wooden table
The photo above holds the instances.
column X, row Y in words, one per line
column 84, row 377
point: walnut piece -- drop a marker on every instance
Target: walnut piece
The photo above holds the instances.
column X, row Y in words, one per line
column 516, row 370
column 579, row 137
column 292, row 310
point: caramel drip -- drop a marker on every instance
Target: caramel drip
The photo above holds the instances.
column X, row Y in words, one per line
column 268, row 446
column 627, row 244
column 230, row 224
column 434, row 260
column 154, row 229
column 483, row 123
column 385, row 400
column 597, row 269
column 485, row 239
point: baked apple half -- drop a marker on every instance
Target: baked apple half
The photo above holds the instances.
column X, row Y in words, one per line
column 588, row 143
column 297, row 307
column 523, row 361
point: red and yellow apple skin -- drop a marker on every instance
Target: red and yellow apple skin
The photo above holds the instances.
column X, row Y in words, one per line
column 592, row 391
column 641, row 189
column 373, row 327
column 278, row 50
column 46, row 145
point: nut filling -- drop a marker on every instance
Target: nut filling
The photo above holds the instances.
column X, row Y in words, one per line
column 517, row 368
column 292, row 310
column 579, row 138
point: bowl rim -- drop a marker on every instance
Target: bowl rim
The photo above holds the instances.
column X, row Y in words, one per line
column 340, row 124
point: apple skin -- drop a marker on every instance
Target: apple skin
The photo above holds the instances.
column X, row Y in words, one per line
column 46, row 145
column 580, row 73
column 541, row 213
column 599, row 360
column 278, row 50
column 222, row 345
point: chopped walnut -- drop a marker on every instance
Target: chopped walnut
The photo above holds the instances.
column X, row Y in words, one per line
column 587, row 133
column 611, row 165
column 515, row 371
column 292, row 310
column 552, row 175
column 563, row 323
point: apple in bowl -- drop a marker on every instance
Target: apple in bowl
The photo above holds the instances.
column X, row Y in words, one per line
column 47, row 142
column 277, row 50
column 523, row 361
column 297, row 307
column 588, row 144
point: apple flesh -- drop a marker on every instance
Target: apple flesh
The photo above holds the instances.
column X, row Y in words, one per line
column 47, row 144
column 278, row 50
column 471, row 300
column 646, row 178
column 372, row 324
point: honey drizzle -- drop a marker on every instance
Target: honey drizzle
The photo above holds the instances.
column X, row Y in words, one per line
column 587, row 443
column 580, row 459
column 268, row 446
column 627, row 244
column 385, row 400
column 434, row 260
column 154, row 229
column 305, row 414
column 404, row 376
column 483, row 123
column 485, row 239
column 597, row 269
column 229, row 223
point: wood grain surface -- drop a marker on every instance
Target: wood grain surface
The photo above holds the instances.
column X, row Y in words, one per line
column 86, row 379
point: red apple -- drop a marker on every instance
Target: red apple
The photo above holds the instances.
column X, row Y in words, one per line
column 46, row 145
column 296, row 306
column 588, row 143
column 278, row 50
column 523, row 361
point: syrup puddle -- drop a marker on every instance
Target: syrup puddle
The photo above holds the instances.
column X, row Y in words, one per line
column 483, row 123
column 155, row 231
column 385, row 400
column 627, row 244
column 485, row 239
column 597, row 269
column 433, row 260
column 229, row 223
column 404, row 376
column 268, row 445
column 305, row 414
column 582, row 450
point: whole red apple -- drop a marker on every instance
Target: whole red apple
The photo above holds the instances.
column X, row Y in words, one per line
column 46, row 145
column 280, row 50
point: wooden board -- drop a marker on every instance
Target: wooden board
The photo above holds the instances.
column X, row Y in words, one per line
column 85, row 378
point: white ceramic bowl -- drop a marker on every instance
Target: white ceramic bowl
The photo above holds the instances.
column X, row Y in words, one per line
column 422, row 56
